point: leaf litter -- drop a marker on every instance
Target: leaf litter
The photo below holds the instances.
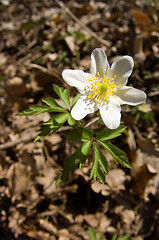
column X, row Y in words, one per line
column 38, row 40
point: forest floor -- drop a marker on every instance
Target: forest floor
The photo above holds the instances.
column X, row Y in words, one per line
column 38, row 40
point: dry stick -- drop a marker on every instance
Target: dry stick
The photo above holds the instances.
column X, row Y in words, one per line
column 28, row 138
column 26, row 48
column 82, row 25
column 46, row 70
column 16, row 142
column 152, row 94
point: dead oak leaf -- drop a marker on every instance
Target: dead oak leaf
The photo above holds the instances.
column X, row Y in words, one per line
column 19, row 178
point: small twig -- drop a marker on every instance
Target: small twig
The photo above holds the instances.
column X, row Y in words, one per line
column 25, row 49
column 20, row 140
column 46, row 70
column 28, row 138
column 152, row 94
column 82, row 25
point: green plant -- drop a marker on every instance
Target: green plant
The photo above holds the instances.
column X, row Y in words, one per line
column 92, row 235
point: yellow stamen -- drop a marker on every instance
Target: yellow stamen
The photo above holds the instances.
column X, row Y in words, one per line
column 102, row 88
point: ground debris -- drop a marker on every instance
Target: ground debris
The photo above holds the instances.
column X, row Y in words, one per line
column 39, row 39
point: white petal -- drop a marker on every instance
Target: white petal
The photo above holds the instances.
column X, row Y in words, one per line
column 83, row 107
column 99, row 62
column 111, row 114
column 77, row 78
column 122, row 68
column 131, row 96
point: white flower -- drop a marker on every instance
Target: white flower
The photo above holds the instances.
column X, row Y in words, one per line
column 104, row 88
column 145, row 107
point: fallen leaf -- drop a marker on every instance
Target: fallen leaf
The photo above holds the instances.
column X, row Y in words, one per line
column 19, row 178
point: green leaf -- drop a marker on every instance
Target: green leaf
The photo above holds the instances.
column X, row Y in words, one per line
column 99, row 161
column 125, row 237
column 117, row 154
column 80, row 134
column 114, row 236
column 75, row 100
column 92, row 234
column 35, row 109
column 86, row 134
column 96, row 172
column 57, row 121
column 80, row 154
column 26, row 112
column 108, row 134
column 101, row 158
column 100, row 236
column 73, row 135
column 70, row 168
column 71, row 120
column 45, row 130
column 63, row 94
column 53, row 104
column 53, row 124
column 61, row 118
column 85, row 151
column 66, row 97
column 39, row 108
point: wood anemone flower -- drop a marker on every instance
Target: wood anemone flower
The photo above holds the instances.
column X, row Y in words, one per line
column 145, row 108
column 104, row 88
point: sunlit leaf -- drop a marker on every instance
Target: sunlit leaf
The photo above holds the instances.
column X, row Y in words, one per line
column 75, row 100
column 117, row 154
column 63, row 94
column 108, row 134
column 86, row 134
column 57, row 119
column 61, row 118
column 35, row 109
column 66, row 97
column 26, row 112
column 53, row 104
column 71, row 120
column 39, row 108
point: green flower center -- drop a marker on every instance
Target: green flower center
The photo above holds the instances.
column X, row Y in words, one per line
column 102, row 89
